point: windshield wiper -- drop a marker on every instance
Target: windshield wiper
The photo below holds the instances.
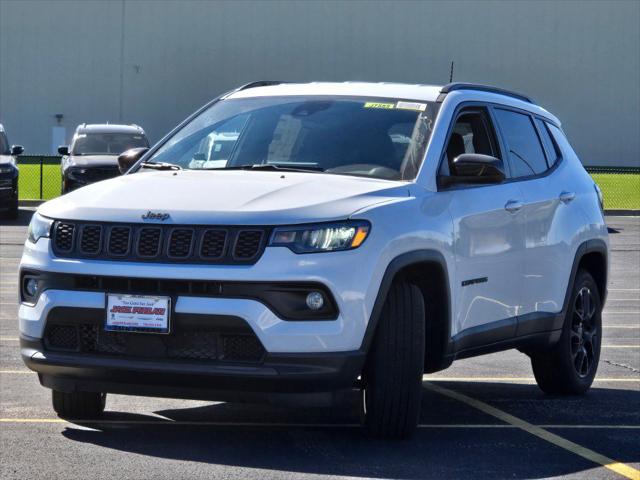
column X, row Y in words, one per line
column 161, row 166
column 273, row 167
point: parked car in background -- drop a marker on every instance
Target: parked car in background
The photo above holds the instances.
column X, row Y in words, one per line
column 93, row 153
column 8, row 176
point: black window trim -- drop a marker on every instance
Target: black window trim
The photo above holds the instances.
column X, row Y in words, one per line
column 532, row 118
column 495, row 140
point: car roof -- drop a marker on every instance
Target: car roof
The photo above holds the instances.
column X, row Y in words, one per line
column 109, row 128
column 419, row 92
column 427, row 93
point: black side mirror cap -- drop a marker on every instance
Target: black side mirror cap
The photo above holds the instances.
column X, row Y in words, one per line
column 474, row 168
column 17, row 150
column 127, row 159
column 63, row 150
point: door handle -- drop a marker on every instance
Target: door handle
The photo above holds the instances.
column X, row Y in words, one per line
column 513, row 206
column 566, row 197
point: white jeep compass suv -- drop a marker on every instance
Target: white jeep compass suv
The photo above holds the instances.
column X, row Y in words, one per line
column 355, row 236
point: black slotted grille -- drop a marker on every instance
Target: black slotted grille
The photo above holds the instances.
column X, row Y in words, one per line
column 149, row 242
column 90, row 239
column 248, row 244
column 213, row 242
column 119, row 240
column 64, row 233
column 180, row 240
column 227, row 245
column 199, row 345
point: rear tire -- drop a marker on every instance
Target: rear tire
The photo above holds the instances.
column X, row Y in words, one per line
column 570, row 366
column 393, row 375
column 85, row 405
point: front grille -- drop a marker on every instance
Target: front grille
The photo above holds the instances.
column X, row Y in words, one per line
column 90, row 239
column 63, row 235
column 213, row 243
column 198, row 344
column 96, row 174
column 161, row 243
column 119, row 240
column 180, row 240
column 248, row 244
column 149, row 242
column 62, row 337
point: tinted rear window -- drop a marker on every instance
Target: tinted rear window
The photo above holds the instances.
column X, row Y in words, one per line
column 549, row 145
column 525, row 151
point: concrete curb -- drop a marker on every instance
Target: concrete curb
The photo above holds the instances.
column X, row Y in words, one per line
column 632, row 213
column 30, row 203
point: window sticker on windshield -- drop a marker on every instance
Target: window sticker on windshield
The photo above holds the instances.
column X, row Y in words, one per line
column 421, row 107
column 379, row 105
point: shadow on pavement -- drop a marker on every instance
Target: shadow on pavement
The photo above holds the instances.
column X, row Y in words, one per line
column 338, row 446
column 24, row 217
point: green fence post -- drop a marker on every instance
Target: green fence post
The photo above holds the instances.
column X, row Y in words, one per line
column 41, row 160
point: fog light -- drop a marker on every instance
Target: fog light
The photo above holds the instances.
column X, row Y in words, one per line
column 31, row 287
column 315, row 301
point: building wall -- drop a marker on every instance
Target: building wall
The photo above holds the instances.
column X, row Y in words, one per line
column 154, row 62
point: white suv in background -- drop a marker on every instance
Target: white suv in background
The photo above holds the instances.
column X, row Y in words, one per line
column 356, row 236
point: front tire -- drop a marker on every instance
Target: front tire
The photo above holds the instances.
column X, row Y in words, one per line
column 80, row 405
column 393, row 375
column 570, row 366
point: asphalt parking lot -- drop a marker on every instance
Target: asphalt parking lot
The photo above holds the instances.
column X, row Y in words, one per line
column 482, row 418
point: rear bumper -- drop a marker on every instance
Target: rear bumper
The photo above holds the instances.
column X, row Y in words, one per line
column 301, row 378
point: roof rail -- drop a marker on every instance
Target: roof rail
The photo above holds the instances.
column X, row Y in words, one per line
column 258, row 83
column 483, row 88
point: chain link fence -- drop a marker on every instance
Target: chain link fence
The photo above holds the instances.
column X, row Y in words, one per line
column 40, row 179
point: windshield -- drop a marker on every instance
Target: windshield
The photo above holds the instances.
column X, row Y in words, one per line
column 107, row 143
column 343, row 135
column 4, row 144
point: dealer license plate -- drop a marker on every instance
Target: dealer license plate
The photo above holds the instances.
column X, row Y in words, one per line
column 138, row 313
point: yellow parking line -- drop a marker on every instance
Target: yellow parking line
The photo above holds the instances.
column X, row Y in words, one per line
column 9, row 339
column 613, row 465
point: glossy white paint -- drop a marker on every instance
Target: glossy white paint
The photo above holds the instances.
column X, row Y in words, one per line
column 525, row 255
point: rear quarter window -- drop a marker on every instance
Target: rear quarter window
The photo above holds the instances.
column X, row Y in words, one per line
column 550, row 147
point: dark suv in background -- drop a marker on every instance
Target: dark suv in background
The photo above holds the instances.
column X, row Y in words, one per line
column 8, row 176
column 93, row 153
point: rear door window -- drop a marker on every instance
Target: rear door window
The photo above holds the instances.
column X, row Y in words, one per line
column 526, row 155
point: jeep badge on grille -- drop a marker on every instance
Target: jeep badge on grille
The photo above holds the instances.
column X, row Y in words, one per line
column 155, row 216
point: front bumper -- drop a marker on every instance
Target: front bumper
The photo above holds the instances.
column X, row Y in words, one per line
column 8, row 191
column 307, row 378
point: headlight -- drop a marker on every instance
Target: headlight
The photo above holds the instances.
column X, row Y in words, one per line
column 77, row 174
column 39, row 227
column 328, row 237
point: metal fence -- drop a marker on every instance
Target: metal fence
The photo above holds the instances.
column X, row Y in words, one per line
column 40, row 179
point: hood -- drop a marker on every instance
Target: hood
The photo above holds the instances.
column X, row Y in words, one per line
column 233, row 197
column 92, row 160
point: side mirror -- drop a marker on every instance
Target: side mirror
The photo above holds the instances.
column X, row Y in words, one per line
column 63, row 150
column 128, row 158
column 474, row 168
column 17, row 150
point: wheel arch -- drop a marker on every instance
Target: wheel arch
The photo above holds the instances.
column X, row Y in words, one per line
column 592, row 256
column 427, row 269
